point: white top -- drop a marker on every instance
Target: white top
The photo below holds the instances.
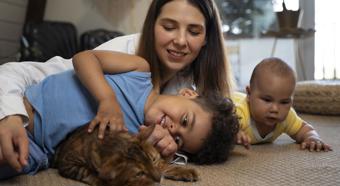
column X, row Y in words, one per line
column 16, row 76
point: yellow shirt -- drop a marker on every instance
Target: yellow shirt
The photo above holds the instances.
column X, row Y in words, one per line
column 291, row 125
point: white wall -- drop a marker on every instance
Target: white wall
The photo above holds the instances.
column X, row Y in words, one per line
column 245, row 54
column 307, row 44
column 126, row 16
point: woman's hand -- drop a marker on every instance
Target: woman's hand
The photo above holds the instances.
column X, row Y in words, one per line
column 13, row 142
column 109, row 116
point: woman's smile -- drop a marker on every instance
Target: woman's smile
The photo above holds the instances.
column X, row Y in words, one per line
column 176, row 56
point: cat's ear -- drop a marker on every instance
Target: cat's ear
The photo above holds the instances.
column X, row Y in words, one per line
column 145, row 132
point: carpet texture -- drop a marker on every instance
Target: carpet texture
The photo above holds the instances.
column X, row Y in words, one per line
column 279, row 163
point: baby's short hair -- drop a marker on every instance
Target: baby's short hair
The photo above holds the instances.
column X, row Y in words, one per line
column 274, row 66
column 221, row 139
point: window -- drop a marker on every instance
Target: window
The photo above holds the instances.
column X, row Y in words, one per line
column 251, row 18
column 246, row 18
column 327, row 39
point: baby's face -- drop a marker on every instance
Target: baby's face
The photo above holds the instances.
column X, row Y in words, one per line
column 270, row 99
column 185, row 119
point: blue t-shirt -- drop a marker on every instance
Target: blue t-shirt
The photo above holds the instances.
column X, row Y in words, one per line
column 63, row 104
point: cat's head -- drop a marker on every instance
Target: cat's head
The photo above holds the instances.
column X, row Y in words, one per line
column 130, row 160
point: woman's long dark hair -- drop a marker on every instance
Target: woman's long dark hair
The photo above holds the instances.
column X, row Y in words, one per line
column 210, row 71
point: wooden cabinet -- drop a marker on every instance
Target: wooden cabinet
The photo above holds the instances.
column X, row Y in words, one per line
column 12, row 18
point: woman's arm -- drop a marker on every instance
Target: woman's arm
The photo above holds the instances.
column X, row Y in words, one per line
column 15, row 77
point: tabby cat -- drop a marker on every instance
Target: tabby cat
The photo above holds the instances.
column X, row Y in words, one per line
column 118, row 159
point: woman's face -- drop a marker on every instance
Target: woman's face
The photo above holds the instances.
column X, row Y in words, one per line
column 180, row 33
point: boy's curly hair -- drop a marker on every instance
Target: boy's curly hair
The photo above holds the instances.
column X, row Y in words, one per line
column 225, row 125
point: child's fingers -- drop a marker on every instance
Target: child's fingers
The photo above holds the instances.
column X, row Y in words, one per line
column 312, row 146
column 113, row 127
column 92, row 125
column 167, row 145
column 246, row 145
column 170, row 150
column 318, row 146
column 102, row 128
column 123, row 128
column 247, row 142
column 9, row 155
column 239, row 140
column 158, row 134
column 23, row 144
column 244, row 141
column 117, row 126
column 303, row 145
column 239, row 137
column 327, row 147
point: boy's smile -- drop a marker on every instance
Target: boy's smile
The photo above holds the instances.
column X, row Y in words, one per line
column 162, row 121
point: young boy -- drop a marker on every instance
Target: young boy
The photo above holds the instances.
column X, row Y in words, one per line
column 203, row 127
column 266, row 110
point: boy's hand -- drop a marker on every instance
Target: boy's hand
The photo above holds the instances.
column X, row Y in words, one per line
column 243, row 139
column 313, row 143
column 108, row 115
column 162, row 140
column 13, row 142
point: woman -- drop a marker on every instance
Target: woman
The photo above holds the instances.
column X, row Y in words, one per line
column 184, row 48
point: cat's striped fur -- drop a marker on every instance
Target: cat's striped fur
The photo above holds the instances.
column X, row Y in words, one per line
column 119, row 159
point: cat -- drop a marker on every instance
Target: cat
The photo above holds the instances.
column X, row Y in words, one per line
column 118, row 159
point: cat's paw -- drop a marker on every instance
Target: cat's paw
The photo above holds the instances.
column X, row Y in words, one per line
column 181, row 174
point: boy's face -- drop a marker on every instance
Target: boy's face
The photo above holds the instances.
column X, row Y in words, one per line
column 185, row 119
column 270, row 99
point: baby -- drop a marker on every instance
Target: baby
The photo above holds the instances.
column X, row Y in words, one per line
column 266, row 110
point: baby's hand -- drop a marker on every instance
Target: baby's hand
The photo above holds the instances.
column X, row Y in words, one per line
column 243, row 139
column 110, row 116
column 313, row 143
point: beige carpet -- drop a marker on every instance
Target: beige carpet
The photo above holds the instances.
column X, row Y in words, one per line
column 280, row 163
